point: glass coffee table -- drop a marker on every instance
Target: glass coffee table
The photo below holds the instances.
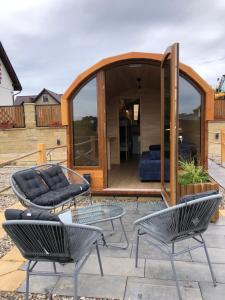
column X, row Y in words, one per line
column 93, row 214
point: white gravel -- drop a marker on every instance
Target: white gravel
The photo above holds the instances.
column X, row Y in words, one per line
column 6, row 201
column 20, row 296
column 5, row 245
column 5, row 173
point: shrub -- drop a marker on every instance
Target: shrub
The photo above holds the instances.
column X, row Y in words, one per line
column 192, row 173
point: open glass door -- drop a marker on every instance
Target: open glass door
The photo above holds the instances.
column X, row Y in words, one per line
column 169, row 123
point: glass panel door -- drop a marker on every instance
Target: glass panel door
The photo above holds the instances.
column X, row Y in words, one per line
column 85, row 126
column 169, row 123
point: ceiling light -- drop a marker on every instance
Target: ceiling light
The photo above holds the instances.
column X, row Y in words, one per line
column 135, row 66
column 139, row 82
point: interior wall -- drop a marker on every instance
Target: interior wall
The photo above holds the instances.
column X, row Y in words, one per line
column 112, row 128
column 149, row 120
column 137, row 81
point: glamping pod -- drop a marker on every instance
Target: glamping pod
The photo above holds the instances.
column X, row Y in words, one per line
column 130, row 117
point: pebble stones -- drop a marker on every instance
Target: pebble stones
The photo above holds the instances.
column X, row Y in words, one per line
column 5, row 245
column 20, row 296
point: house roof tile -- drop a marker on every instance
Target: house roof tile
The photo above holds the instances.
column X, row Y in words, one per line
column 20, row 100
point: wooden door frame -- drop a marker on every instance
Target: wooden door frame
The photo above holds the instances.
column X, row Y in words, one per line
column 173, row 53
column 101, row 100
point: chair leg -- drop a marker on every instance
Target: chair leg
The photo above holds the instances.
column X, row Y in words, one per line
column 137, row 204
column 99, row 259
column 125, row 234
column 209, row 262
column 90, row 198
column 27, row 280
column 137, row 249
column 175, row 277
column 75, row 285
column 112, row 225
column 54, row 267
column 174, row 272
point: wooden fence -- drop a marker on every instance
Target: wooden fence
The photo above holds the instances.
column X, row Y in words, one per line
column 48, row 115
column 219, row 109
column 12, row 117
column 42, row 158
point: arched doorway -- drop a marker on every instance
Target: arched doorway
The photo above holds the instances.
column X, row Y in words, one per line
column 130, row 78
column 132, row 123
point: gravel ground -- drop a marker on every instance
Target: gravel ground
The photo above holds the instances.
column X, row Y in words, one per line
column 20, row 296
column 6, row 201
column 6, row 245
column 5, row 173
column 222, row 191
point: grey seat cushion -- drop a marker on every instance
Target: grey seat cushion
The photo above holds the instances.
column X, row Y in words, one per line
column 30, row 214
column 13, row 214
column 72, row 190
column 58, row 196
column 191, row 197
column 38, row 214
column 30, row 183
column 50, row 198
column 54, row 177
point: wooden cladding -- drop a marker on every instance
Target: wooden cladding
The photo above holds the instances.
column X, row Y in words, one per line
column 219, row 109
column 12, row 117
column 151, row 58
column 48, row 115
column 169, row 119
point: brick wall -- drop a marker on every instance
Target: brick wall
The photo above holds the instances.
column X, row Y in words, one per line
column 23, row 140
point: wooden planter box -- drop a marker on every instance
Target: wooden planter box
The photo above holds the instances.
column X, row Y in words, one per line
column 194, row 188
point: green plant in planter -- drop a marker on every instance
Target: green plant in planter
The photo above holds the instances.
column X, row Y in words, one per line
column 192, row 173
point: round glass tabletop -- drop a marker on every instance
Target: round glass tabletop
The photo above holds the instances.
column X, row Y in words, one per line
column 97, row 213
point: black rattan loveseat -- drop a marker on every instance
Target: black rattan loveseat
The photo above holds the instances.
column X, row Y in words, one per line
column 49, row 186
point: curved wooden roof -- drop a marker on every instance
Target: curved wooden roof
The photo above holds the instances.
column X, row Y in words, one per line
column 129, row 57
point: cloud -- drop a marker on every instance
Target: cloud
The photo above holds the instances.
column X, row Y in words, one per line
column 51, row 42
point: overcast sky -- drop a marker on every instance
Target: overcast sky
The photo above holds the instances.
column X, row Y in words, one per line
column 49, row 42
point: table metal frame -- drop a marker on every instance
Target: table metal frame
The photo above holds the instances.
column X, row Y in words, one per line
column 109, row 218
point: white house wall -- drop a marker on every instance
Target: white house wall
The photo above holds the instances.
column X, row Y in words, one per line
column 6, row 87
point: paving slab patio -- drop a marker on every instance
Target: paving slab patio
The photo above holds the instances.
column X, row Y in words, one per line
column 217, row 172
column 40, row 284
column 145, row 289
column 152, row 280
column 149, row 252
column 217, row 255
column 114, row 266
column 187, row 271
column 93, row 286
column 210, row 292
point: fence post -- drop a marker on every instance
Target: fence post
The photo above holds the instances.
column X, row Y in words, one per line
column 29, row 112
column 41, row 158
column 222, row 146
